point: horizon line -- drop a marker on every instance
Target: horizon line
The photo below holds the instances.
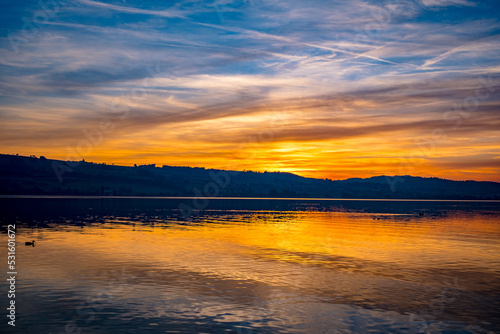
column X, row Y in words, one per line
column 249, row 198
column 243, row 171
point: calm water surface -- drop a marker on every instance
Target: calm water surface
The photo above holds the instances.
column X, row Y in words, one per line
column 253, row 266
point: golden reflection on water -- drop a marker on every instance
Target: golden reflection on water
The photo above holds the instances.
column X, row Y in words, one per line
column 292, row 266
column 250, row 245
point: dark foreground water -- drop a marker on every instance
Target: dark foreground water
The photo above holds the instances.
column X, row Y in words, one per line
column 111, row 265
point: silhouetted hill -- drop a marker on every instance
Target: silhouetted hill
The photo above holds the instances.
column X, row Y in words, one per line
column 21, row 175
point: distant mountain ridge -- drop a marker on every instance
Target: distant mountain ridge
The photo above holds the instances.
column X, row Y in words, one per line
column 21, row 175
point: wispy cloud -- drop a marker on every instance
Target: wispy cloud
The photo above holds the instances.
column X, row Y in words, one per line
column 334, row 85
column 132, row 10
column 444, row 3
column 490, row 43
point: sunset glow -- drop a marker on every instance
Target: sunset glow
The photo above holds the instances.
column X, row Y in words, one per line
column 333, row 89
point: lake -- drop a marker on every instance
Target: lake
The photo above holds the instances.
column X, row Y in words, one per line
column 146, row 265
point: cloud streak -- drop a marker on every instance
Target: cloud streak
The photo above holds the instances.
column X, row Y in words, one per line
column 312, row 87
column 132, row 10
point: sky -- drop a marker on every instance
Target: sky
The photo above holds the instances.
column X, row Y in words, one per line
column 323, row 89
